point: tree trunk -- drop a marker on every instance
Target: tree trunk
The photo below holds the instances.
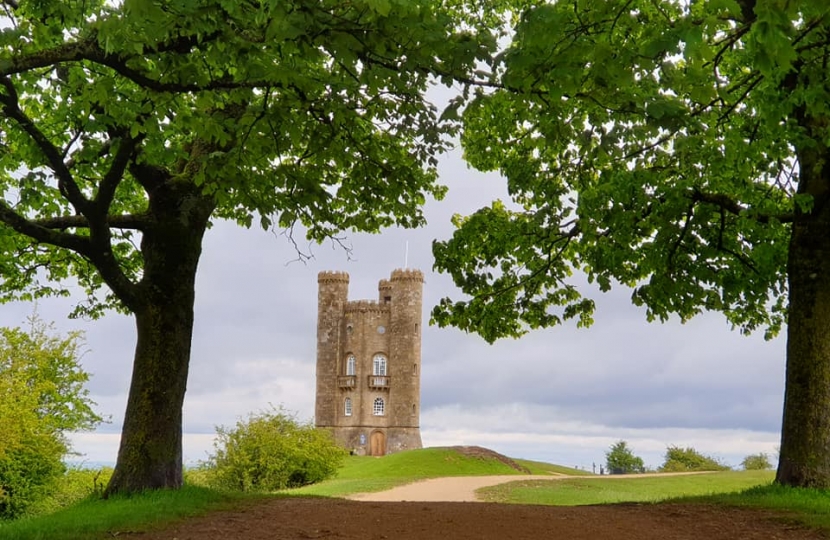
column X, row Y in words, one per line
column 805, row 433
column 150, row 454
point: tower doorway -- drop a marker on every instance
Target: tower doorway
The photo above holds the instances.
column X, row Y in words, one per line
column 377, row 444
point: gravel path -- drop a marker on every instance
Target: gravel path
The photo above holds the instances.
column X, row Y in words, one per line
column 462, row 488
column 449, row 489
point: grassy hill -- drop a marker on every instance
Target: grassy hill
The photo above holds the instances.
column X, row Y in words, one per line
column 364, row 474
column 605, row 490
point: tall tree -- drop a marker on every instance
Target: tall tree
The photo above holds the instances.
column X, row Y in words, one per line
column 678, row 148
column 127, row 127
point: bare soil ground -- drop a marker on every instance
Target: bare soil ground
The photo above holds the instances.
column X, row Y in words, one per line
column 311, row 518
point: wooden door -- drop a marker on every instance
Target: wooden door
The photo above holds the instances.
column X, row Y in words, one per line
column 377, row 444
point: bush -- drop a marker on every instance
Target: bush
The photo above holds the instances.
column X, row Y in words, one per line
column 756, row 462
column 621, row 460
column 271, row 451
column 42, row 396
column 688, row 459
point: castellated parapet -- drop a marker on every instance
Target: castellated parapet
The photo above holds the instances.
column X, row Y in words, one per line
column 369, row 363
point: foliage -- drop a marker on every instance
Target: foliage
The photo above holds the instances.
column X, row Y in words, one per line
column 280, row 112
column 621, row 460
column 688, row 459
column 641, row 145
column 756, row 462
column 270, row 451
column 675, row 148
column 42, row 384
column 599, row 490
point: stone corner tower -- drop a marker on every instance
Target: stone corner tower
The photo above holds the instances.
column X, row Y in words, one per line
column 369, row 363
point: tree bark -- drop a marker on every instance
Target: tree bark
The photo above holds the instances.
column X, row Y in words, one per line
column 805, row 432
column 150, row 454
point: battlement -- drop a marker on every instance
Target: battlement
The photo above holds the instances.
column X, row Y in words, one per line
column 384, row 285
column 364, row 306
column 332, row 277
column 407, row 275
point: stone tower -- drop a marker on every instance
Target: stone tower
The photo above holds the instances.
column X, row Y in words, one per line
column 369, row 363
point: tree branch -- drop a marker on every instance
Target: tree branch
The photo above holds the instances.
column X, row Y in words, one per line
column 54, row 156
column 43, row 234
column 88, row 49
column 724, row 202
column 113, row 176
column 138, row 222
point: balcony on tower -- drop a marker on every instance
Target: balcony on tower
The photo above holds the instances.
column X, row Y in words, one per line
column 347, row 381
column 379, row 382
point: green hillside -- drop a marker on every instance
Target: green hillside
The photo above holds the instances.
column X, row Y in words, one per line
column 363, row 474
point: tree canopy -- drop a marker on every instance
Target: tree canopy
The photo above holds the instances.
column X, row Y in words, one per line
column 676, row 148
column 286, row 113
column 620, row 459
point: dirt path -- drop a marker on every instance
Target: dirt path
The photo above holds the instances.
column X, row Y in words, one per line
column 451, row 489
column 462, row 488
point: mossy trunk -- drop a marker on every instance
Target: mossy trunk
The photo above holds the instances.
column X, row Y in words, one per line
column 805, row 433
column 150, row 454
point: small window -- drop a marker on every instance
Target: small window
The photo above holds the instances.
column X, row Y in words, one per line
column 378, row 407
column 414, row 408
column 350, row 365
column 379, row 365
column 387, row 299
column 414, row 369
column 349, row 328
column 348, row 407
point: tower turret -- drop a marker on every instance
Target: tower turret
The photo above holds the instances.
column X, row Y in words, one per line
column 332, row 295
column 405, row 349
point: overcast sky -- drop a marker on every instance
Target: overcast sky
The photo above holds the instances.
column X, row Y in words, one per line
column 562, row 395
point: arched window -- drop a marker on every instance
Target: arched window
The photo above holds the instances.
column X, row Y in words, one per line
column 350, row 365
column 348, row 406
column 379, row 365
column 378, row 407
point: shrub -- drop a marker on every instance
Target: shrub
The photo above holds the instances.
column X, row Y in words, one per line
column 756, row 462
column 621, row 460
column 270, row 451
column 42, row 396
column 688, row 459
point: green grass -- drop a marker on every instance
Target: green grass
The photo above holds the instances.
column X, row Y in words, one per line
column 363, row 474
column 99, row 519
column 540, row 467
column 809, row 507
column 604, row 490
column 94, row 519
